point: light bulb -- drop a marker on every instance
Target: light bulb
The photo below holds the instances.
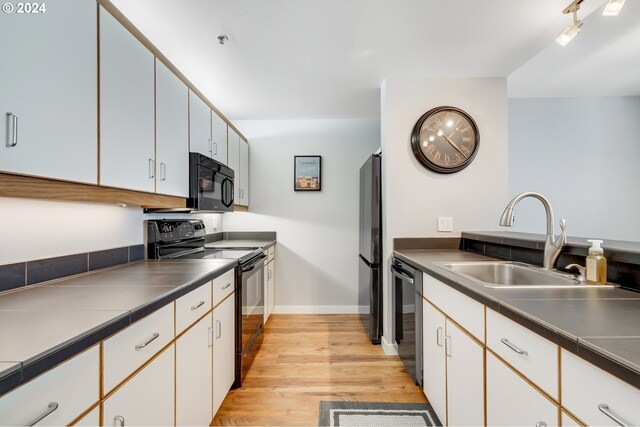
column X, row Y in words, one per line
column 613, row 7
column 568, row 34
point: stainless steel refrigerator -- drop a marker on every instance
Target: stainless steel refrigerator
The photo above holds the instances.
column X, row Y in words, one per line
column 370, row 271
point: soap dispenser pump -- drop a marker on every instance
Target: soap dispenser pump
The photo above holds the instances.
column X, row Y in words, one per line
column 596, row 264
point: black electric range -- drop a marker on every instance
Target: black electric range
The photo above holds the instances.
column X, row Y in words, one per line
column 185, row 239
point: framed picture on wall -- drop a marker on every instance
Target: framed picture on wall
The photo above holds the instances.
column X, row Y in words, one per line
column 307, row 172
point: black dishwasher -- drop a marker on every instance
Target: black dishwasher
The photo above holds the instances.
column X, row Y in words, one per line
column 407, row 303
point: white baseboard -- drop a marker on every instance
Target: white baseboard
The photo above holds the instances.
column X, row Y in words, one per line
column 390, row 349
column 320, row 309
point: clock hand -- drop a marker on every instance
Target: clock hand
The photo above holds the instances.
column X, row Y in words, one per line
column 454, row 145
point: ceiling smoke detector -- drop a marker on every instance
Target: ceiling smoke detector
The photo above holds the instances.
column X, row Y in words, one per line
column 222, row 38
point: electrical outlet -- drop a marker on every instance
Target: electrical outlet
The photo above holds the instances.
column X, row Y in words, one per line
column 445, row 223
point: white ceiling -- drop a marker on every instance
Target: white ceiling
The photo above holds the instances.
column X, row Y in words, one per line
column 292, row 59
column 602, row 60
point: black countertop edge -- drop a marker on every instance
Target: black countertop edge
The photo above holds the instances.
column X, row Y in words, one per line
column 39, row 364
column 231, row 245
column 571, row 344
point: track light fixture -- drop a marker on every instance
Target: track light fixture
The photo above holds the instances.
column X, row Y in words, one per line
column 613, row 7
column 572, row 30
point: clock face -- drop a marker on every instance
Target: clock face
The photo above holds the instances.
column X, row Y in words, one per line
column 445, row 139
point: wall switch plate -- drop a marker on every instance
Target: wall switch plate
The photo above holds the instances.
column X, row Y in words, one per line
column 445, row 223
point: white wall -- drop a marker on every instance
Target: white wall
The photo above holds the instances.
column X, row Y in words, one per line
column 34, row 229
column 317, row 251
column 582, row 154
column 414, row 197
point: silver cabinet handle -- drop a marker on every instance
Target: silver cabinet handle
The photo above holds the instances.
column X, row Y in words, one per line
column 50, row 409
column 163, row 171
column 447, row 346
column 153, row 337
column 152, row 172
column 12, row 137
column 513, row 347
column 226, row 286
column 541, row 424
column 198, row 305
column 119, row 419
column 604, row 408
column 215, row 148
column 218, row 329
column 439, row 337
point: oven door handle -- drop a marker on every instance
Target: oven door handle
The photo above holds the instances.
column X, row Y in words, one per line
column 401, row 274
column 253, row 264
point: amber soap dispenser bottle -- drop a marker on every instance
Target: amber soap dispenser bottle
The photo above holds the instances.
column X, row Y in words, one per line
column 596, row 264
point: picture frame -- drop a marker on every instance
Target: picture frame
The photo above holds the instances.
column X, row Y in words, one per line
column 307, row 173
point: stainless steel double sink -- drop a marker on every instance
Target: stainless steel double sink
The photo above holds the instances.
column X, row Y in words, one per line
column 514, row 275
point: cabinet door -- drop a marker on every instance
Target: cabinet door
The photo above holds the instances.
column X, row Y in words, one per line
column 234, row 162
column 271, row 287
column 199, row 126
column 223, row 350
column 127, row 153
column 147, row 398
column 48, row 82
column 511, row 401
column 465, row 378
column 194, row 375
column 172, row 133
column 266, row 292
column 219, row 138
column 90, row 419
column 244, row 173
column 433, row 330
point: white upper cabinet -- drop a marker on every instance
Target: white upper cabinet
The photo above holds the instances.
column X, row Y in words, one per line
column 172, row 133
column 244, row 173
column 48, row 92
column 199, row 126
column 127, row 153
column 218, row 138
column 234, row 162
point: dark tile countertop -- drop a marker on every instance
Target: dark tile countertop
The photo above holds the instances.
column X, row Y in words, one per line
column 601, row 325
column 241, row 244
column 44, row 325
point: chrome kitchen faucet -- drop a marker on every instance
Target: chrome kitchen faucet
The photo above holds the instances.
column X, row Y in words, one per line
column 552, row 247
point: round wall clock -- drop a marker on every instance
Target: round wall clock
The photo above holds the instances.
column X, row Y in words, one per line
column 445, row 139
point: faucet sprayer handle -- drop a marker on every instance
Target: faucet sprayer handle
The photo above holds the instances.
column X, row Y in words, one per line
column 581, row 271
column 562, row 238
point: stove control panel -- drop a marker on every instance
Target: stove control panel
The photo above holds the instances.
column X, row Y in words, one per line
column 175, row 230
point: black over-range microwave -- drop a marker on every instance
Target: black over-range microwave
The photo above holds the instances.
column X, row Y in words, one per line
column 210, row 187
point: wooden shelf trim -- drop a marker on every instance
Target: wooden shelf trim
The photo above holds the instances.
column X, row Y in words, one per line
column 43, row 188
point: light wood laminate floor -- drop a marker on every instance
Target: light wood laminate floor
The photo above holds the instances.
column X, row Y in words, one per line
column 308, row 358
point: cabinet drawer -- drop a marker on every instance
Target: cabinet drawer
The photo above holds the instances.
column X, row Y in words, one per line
column 586, row 387
column 532, row 355
column 465, row 311
column 511, row 401
column 223, row 286
column 72, row 386
column 127, row 350
column 192, row 306
column 271, row 253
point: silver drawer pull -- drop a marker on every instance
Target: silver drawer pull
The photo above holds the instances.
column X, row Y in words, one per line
column 604, row 408
column 119, row 419
column 513, row 347
column 226, row 286
column 12, row 137
column 197, row 306
column 50, row 409
column 155, row 335
column 541, row 424
column 218, row 329
column 439, row 337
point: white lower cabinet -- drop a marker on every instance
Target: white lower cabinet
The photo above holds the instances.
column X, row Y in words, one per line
column 90, row 419
column 58, row 396
column 270, row 297
column 465, row 378
column 223, row 350
column 435, row 377
column 194, row 375
column 145, row 399
column 511, row 401
column 595, row 396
